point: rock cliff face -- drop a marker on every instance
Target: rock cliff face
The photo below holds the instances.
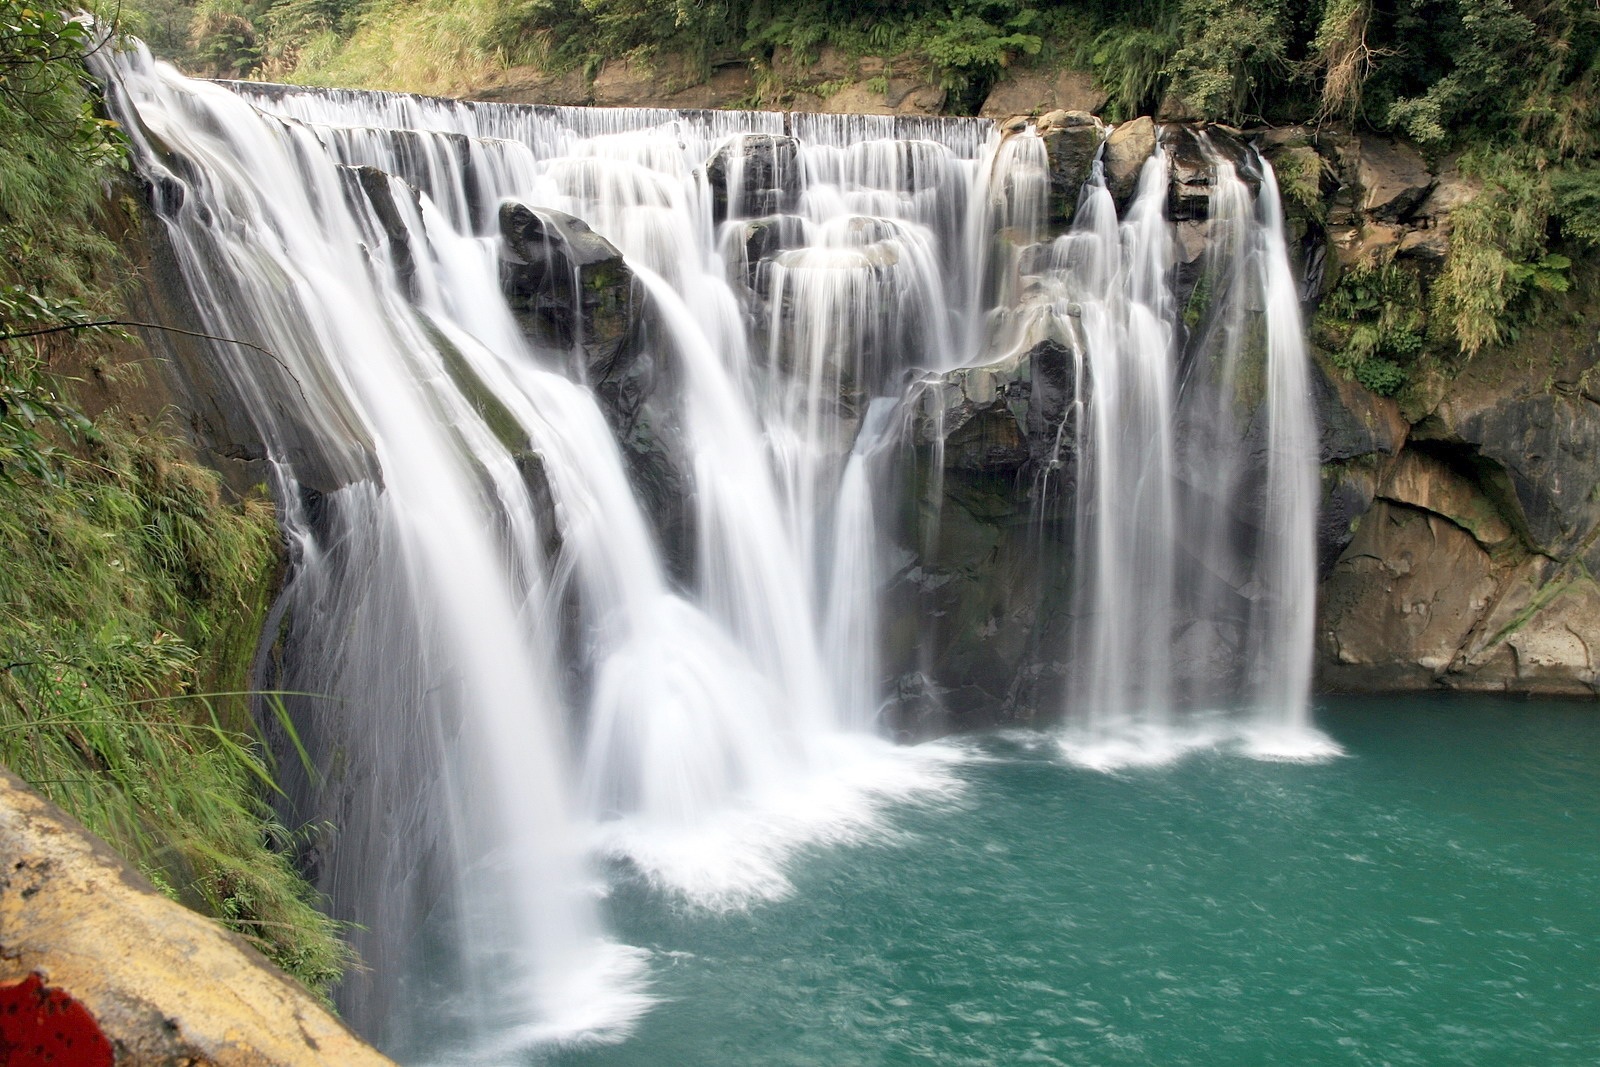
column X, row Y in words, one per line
column 162, row 984
column 1460, row 546
column 1459, row 525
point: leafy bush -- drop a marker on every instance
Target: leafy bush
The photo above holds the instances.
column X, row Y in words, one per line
column 1132, row 64
column 967, row 49
column 1577, row 202
column 1373, row 325
column 1497, row 252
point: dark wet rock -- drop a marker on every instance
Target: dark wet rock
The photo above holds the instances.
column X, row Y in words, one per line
column 391, row 235
column 568, row 286
column 1358, row 436
column 1193, row 159
column 1351, row 421
column 1071, row 140
column 1547, row 445
column 989, row 559
column 758, row 242
column 1193, row 174
column 753, row 175
column 645, row 411
column 224, row 421
column 421, row 158
column 572, row 291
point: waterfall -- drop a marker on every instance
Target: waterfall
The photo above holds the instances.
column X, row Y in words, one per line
column 587, row 428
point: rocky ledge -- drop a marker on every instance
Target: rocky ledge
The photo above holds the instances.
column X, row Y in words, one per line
column 141, row 980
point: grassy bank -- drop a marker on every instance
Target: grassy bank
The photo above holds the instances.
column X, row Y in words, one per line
column 131, row 585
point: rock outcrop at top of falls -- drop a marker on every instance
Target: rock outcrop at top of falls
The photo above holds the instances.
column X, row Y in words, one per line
column 568, row 285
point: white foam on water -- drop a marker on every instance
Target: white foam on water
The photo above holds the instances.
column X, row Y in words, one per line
column 741, row 855
column 1140, row 745
column 1289, row 744
column 1145, row 745
column 598, row 1003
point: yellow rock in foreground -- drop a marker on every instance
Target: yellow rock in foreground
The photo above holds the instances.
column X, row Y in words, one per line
column 165, row 984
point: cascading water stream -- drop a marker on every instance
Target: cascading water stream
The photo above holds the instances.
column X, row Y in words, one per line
column 529, row 667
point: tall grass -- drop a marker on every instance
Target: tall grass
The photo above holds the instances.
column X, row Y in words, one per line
column 129, row 584
column 439, row 47
column 131, row 587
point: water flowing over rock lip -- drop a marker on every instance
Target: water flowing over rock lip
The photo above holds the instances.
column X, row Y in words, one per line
column 524, row 608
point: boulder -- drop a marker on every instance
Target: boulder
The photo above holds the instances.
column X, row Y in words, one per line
column 1393, row 177
column 897, row 96
column 1030, row 92
column 568, row 286
column 163, row 984
column 1018, row 93
column 1430, row 246
column 1174, row 108
column 1071, row 140
column 754, row 174
column 1127, row 147
column 1079, row 90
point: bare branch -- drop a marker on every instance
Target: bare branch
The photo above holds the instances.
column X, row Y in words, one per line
column 157, row 326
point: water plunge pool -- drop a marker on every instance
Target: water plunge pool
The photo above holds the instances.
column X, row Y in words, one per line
column 1429, row 899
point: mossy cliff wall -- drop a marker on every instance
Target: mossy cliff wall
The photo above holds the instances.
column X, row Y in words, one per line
column 132, row 589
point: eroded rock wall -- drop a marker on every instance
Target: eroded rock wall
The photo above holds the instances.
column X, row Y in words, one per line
column 1460, row 546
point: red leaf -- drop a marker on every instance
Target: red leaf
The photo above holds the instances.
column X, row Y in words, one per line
column 42, row 1026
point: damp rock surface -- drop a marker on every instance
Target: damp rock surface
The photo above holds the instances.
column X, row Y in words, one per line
column 164, row 985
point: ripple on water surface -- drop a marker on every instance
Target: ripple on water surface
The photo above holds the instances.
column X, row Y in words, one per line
column 1428, row 900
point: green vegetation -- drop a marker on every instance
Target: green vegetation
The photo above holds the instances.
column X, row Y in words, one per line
column 1499, row 253
column 1373, row 325
column 129, row 586
column 1434, row 69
